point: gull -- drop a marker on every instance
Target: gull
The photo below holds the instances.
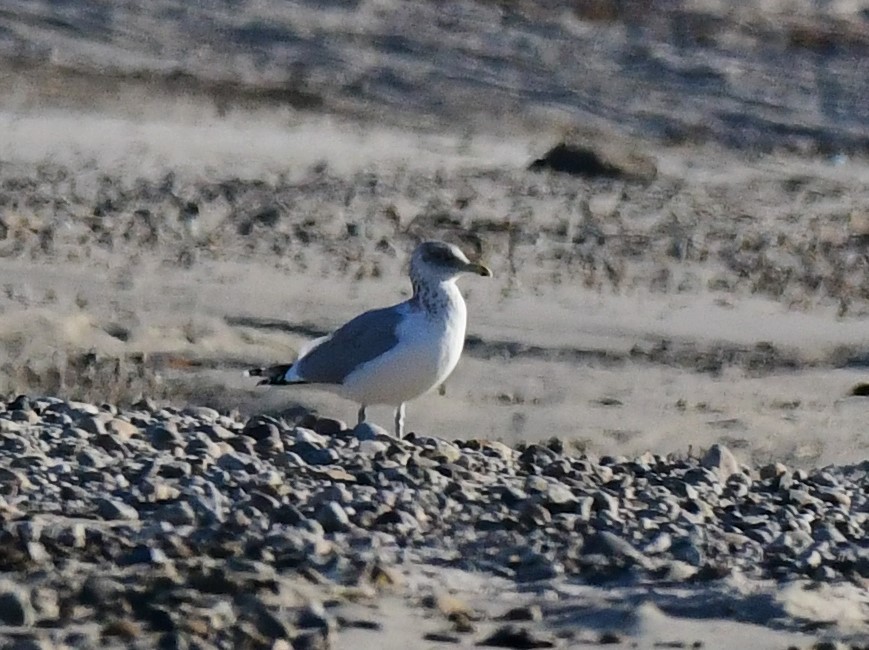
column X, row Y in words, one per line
column 394, row 354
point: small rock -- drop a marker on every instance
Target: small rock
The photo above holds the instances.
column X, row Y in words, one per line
column 534, row 515
column 175, row 469
column 448, row 605
column 122, row 429
column 614, row 547
column 687, row 551
column 610, row 638
column 261, row 431
column 606, row 503
column 314, row 640
column 27, row 417
column 661, row 543
column 124, row 628
column 720, row 459
column 525, row 613
column 100, row 591
column 773, row 470
column 835, row 496
column 384, row 577
column 333, row 517
column 359, row 624
column 199, row 445
column 20, row 403
column 560, row 499
column 218, row 433
column 202, row 413
column 114, row 509
column 370, row 431
column 92, row 425
column 499, row 449
column 313, row 455
column 441, row 637
column 143, row 554
column 313, row 616
column 329, row 426
column 231, row 462
column 15, row 606
column 310, row 437
column 512, row 636
column 31, row 643
column 37, row 553
column 372, row 447
column 165, row 438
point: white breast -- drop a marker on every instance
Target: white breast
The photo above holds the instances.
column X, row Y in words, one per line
column 428, row 350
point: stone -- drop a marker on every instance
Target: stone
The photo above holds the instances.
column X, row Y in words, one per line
column 612, row 546
column 143, row 554
column 15, row 605
column 372, row 447
column 532, row 514
column 523, row 613
column 312, row 455
column 329, row 426
column 165, row 438
column 720, row 459
column 260, row 431
column 217, row 433
column 513, row 636
column 370, row 431
column 122, row 429
column 773, row 470
column 560, row 499
column 232, row 462
column 201, row 413
column 313, row 615
column 92, row 425
column 333, row 517
column 114, row 509
column 661, row 543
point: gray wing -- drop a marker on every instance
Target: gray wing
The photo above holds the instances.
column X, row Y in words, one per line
column 362, row 339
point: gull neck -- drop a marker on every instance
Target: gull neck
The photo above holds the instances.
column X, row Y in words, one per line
column 435, row 296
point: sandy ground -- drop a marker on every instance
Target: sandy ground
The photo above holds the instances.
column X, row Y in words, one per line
column 677, row 354
column 733, row 614
column 725, row 301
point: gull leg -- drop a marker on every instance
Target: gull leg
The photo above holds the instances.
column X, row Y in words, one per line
column 399, row 421
column 360, row 415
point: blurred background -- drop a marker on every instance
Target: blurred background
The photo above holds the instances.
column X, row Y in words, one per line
column 673, row 196
column 787, row 75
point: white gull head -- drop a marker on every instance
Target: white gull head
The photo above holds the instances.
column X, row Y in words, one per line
column 434, row 262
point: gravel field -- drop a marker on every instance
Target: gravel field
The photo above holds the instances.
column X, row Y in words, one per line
column 165, row 527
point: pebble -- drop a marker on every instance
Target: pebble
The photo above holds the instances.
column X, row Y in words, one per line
column 513, row 636
column 524, row 613
column 114, row 509
column 721, row 460
column 121, row 429
column 165, row 438
column 329, row 426
column 15, row 605
column 333, row 518
column 370, row 431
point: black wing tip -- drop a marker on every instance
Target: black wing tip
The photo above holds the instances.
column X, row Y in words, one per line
column 272, row 375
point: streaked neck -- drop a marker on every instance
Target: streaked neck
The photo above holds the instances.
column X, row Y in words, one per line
column 436, row 296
